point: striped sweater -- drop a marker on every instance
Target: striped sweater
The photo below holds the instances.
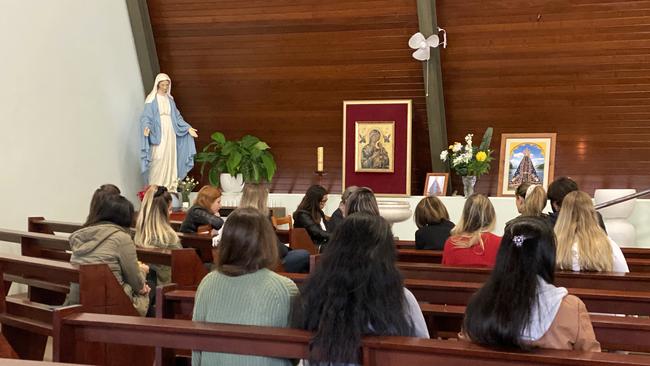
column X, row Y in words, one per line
column 261, row 298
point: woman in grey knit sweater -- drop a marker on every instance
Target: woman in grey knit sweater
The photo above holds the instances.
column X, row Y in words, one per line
column 244, row 289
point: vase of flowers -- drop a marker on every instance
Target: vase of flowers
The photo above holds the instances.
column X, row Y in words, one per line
column 185, row 187
column 469, row 161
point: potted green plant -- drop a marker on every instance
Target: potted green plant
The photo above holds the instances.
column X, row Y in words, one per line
column 232, row 163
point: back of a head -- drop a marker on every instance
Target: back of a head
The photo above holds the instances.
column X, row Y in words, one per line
column 114, row 209
column 100, row 194
column 577, row 223
column 347, row 192
column 364, row 291
column 534, row 198
column 206, row 196
column 500, row 311
column 152, row 226
column 362, row 200
column 255, row 195
column 559, row 188
column 311, row 201
column 248, row 243
column 430, row 210
column 478, row 217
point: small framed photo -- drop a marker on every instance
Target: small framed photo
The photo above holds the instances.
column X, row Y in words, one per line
column 525, row 158
column 436, row 184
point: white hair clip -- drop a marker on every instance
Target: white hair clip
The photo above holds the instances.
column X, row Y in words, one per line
column 518, row 240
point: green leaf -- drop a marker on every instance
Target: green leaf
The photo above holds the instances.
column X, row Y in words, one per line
column 249, row 141
column 233, row 163
column 219, row 138
column 269, row 165
column 228, row 148
column 487, row 139
column 254, row 153
column 213, row 176
column 262, row 146
column 256, row 173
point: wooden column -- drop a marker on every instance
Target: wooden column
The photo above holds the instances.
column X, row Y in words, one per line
column 435, row 100
column 145, row 45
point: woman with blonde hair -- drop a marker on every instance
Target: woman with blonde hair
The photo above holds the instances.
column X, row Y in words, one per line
column 471, row 243
column 582, row 245
column 256, row 196
column 432, row 219
column 152, row 228
column 530, row 199
column 204, row 211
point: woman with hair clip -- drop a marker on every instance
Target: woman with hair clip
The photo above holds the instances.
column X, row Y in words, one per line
column 244, row 289
column 152, row 229
column 106, row 239
column 582, row 245
column 519, row 307
column 355, row 291
column 530, row 200
column 310, row 216
column 432, row 219
column 471, row 243
column 256, row 196
column 362, row 200
column 105, row 190
column 204, row 211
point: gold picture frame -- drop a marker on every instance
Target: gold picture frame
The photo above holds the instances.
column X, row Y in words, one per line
column 525, row 158
column 374, row 146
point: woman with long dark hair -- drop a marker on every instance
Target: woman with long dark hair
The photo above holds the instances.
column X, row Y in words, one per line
column 101, row 193
column 355, row 291
column 310, row 216
column 519, row 307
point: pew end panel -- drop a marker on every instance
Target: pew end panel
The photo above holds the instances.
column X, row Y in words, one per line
column 187, row 268
column 299, row 239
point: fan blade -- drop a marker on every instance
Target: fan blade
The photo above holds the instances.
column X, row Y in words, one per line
column 422, row 54
column 415, row 40
column 433, row 41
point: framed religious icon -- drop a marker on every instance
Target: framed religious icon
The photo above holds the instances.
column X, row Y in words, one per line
column 525, row 158
column 374, row 146
column 377, row 146
column 436, row 184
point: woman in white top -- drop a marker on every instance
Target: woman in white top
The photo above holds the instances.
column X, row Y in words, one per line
column 582, row 245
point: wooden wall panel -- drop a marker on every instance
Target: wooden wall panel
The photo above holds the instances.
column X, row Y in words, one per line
column 280, row 69
column 575, row 67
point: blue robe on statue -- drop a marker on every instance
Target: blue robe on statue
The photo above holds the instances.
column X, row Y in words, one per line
column 185, row 148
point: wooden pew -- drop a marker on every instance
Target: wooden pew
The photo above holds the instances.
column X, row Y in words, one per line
column 8, row 362
column 78, row 334
column 27, row 321
column 201, row 243
column 187, row 268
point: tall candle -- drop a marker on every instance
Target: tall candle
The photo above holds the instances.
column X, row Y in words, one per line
column 319, row 159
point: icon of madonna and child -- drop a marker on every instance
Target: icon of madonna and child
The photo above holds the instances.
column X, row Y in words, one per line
column 374, row 147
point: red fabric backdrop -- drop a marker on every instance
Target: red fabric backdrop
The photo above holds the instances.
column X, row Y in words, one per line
column 382, row 183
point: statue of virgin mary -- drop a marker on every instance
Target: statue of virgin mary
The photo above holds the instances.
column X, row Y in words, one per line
column 167, row 143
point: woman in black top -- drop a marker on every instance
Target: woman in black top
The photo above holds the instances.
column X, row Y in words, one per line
column 432, row 220
column 205, row 211
column 310, row 216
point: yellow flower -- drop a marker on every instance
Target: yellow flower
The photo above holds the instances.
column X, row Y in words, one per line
column 481, row 156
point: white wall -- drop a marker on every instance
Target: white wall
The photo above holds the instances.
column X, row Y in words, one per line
column 70, row 96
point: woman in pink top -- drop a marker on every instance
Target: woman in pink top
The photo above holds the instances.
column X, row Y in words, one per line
column 471, row 244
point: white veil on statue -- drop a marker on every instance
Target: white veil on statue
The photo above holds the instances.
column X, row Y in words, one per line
column 160, row 77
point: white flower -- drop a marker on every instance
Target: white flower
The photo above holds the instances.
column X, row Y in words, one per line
column 457, row 147
column 443, row 155
column 468, row 139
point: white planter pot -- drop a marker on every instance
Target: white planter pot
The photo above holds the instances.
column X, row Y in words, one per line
column 615, row 217
column 230, row 184
column 394, row 211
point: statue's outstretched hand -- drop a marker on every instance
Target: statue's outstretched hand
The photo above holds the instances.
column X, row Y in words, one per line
column 193, row 132
column 146, row 131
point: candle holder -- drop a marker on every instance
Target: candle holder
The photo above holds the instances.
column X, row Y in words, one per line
column 320, row 176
